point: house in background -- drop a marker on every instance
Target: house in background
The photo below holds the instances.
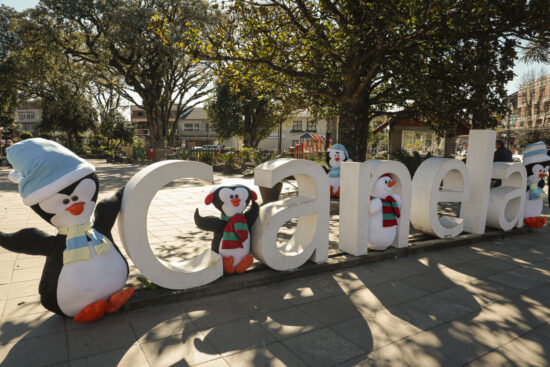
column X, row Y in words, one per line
column 29, row 116
column 194, row 128
column 292, row 129
column 411, row 135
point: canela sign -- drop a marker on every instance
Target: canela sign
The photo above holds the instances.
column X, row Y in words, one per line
column 436, row 180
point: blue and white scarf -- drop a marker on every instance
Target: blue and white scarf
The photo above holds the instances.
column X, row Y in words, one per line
column 535, row 192
column 78, row 239
column 334, row 172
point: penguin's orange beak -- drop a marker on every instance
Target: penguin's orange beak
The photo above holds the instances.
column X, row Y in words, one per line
column 542, row 175
column 236, row 201
column 336, row 159
column 76, row 208
column 391, row 183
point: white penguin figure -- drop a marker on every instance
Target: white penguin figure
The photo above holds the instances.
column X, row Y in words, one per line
column 537, row 164
column 336, row 154
column 384, row 214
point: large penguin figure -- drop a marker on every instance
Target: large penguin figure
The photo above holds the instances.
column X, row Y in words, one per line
column 231, row 232
column 85, row 273
column 336, row 154
column 537, row 164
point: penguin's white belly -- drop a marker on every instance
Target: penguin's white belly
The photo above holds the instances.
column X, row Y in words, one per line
column 380, row 237
column 84, row 282
column 533, row 208
column 237, row 253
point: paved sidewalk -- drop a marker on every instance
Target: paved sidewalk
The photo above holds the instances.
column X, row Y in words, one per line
column 485, row 304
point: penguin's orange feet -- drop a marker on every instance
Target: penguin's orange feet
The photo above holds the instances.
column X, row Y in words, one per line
column 92, row 312
column 119, row 299
column 535, row 222
column 245, row 263
column 228, row 267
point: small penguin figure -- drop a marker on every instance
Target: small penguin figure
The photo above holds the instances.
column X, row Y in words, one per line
column 336, row 154
column 85, row 273
column 384, row 213
column 537, row 164
column 231, row 232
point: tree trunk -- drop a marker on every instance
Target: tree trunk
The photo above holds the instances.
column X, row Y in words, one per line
column 353, row 132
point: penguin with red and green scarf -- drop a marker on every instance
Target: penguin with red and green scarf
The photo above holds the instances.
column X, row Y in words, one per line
column 231, row 231
column 384, row 213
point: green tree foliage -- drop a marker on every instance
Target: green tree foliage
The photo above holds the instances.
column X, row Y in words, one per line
column 241, row 113
column 116, row 129
column 116, row 37
column 8, row 68
column 443, row 61
column 70, row 112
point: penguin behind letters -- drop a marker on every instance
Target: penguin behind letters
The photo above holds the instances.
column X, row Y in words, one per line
column 537, row 164
column 336, row 154
column 85, row 273
column 231, row 231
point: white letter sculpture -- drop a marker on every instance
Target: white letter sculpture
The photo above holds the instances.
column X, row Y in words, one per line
column 424, row 204
column 357, row 183
column 132, row 224
column 479, row 162
column 507, row 202
column 310, row 241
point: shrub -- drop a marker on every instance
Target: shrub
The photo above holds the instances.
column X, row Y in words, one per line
column 411, row 161
column 25, row 135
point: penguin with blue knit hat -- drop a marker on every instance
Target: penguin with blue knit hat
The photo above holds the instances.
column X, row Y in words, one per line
column 85, row 273
column 336, row 154
column 537, row 164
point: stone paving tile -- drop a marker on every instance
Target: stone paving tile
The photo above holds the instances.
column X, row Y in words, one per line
column 332, row 310
column 236, row 336
column 274, row 355
column 286, row 323
column 254, row 302
column 498, row 357
column 431, row 281
column 408, row 353
column 105, row 336
column 23, row 289
column 160, row 322
column 125, row 357
column 6, row 269
column 22, row 275
column 514, row 279
column 30, row 326
column 211, row 311
column 186, row 349
column 23, row 306
column 374, row 333
column 37, row 262
column 323, row 347
column 40, row 351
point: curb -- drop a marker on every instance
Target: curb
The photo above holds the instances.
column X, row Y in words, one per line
column 262, row 275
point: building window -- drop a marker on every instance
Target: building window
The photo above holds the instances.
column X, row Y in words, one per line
column 26, row 115
column 297, row 126
column 193, row 126
column 311, row 126
column 420, row 141
column 295, row 142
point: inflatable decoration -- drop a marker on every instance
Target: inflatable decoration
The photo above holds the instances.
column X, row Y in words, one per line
column 384, row 213
column 85, row 273
column 537, row 163
column 336, row 154
column 231, row 232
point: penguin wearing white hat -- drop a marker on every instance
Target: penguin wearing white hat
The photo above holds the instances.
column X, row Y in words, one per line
column 537, row 164
column 336, row 154
column 85, row 273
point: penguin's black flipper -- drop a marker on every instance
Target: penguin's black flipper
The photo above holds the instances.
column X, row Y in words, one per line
column 209, row 223
column 30, row 241
column 106, row 212
column 252, row 214
column 326, row 169
column 542, row 183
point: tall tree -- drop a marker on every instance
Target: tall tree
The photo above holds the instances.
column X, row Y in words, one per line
column 9, row 95
column 443, row 61
column 242, row 114
column 117, row 38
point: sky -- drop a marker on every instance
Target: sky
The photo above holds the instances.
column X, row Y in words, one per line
column 520, row 68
